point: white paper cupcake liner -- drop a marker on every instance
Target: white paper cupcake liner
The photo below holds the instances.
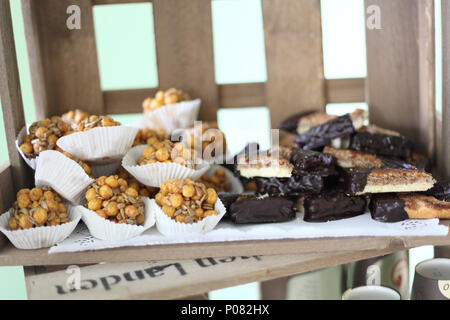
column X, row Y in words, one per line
column 101, row 144
column 169, row 227
column 104, row 229
column 39, row 237
column 236, row 185
column 65, row 176
column 171, row 117
column 153, row 175
column 105, row 169
column 19, row 140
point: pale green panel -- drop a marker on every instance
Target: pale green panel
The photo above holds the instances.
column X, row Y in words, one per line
column 339, row 109
column 12, row 283
column 343, row 36
column 238, row 41
column 248, row 291
column 244, row 125
column 127, row 119
column 126, row 46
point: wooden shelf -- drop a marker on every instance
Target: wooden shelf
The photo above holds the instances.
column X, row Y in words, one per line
column 12, row 256
column 175, row 279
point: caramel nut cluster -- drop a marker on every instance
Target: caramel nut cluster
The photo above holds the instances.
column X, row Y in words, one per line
column 82, row 164
column 143, row 190
column 74, row 117
column 43, row 136
column 162, row 98
column 113, row 199
column 167, row 151
column 94, row 121
column 204, row 137
column 218, row 180
column 186, row 201
column 149, row 136
column 37, row 207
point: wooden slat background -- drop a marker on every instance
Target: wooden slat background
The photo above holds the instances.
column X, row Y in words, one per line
column 293, row 41
column 445, row 117
column 184, row 47
column 400, row 74
column 12, row 106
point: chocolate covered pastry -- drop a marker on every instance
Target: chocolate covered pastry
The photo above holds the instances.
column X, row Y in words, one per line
column 312, row 120
column 227, row 200
column 402, row 206
column 309, row 163
column 441, row 191
column 268, row 165
column 290, row 124
column 360, row 181
column 262, row 209
column 331, row 205
column 323, row 134
column 295, row 185
column 382, row 144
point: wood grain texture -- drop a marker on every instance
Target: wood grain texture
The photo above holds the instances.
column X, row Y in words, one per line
column 12, row 256
column 126, row 101
column 445, row 118
column 345, row 90
column 242, row 95
column 68, row 58
column 181, row 278
column 400, row 70
column 11, row 98
column 293, row 42
column 185, row 57
column 7, row 191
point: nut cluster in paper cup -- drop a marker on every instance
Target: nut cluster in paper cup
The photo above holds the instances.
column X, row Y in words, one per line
column 154, row 174
column 105, row 168
column 29, row 161
column 170, row 227
column 65, row 176
column 236, row 185
column 39, row 237
column 100, row 144
column 104, row 229
column 171, row 117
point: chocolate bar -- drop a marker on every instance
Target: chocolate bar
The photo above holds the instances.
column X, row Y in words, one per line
column 290, row 124
column 322, row 135
column 441, row 191
column 331, row 205
column 228, row 200
column 382, row 144
column 347, row 158
column 360, row 181
column 312, row 163
column 295, row 185
column 262, row 209
column 264, row 166
column 402, row 206
column 312, row 120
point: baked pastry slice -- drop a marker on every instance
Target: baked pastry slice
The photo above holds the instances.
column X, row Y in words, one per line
column 264, row 165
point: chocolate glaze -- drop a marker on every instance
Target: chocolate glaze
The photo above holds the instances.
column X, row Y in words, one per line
column 295, row 185
column 389, row 162
column 228, row 200
column 354, row 179
column 440, row 190
column 382, row 144
column 387, row 207
column 290, row 124
column 332, row 205
column 253, row 209
column 312, row 163
column 322, row 135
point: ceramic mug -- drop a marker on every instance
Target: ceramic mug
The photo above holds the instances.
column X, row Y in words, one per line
column 371, row 293
column 432, row 280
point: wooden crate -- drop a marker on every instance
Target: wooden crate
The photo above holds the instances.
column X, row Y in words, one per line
column 399, row 89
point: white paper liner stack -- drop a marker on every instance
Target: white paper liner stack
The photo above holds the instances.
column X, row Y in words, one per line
column 64, row 175
column 171, row 117
column 106, row 230
column 39, row 237
column 101, row 144
column 170, row 227
column 154, row 174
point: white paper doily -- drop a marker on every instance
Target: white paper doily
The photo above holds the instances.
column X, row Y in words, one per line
column 364, row 225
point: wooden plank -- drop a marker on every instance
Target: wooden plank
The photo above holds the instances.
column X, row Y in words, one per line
column 11, row 97
column 235, row 95
column 68, row 58
column 400, row 69
column 293, row 41
column 445, row 119
column 126, row 101
column 12, row 256
column 345, row 90
column 7, row 194
column 183, row 35
column 177, row 279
